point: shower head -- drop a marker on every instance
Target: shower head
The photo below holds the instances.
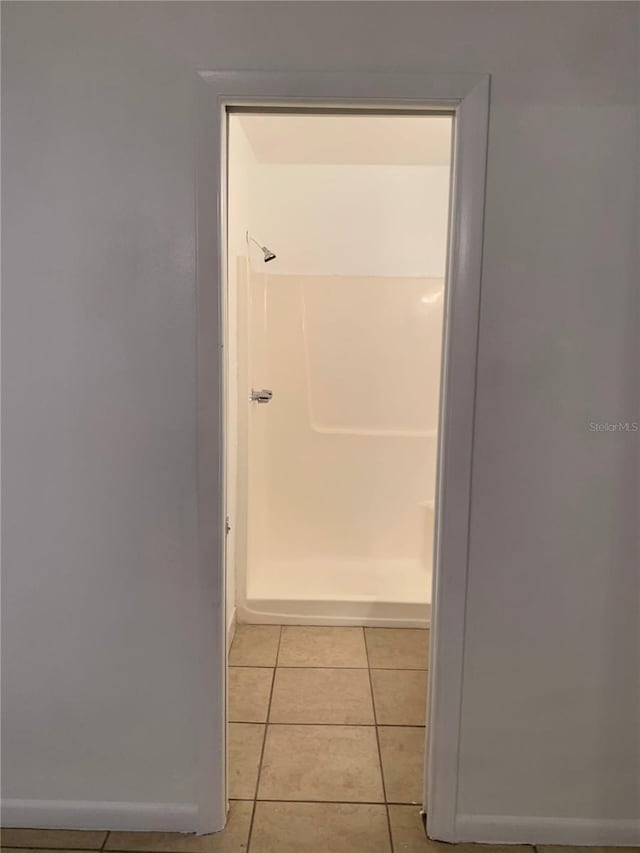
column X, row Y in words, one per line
column 266, row 251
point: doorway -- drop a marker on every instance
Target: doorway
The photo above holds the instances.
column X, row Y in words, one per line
column 465, row 100
column 334, row 350
column 334, row 339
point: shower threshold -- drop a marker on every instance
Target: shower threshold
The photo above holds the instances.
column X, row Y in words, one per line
column 376, row 593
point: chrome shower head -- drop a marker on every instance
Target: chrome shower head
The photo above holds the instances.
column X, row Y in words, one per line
column 266, row 251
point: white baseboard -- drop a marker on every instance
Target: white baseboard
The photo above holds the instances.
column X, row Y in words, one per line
column 85, row 814
column 500, row 829
column 231, row 628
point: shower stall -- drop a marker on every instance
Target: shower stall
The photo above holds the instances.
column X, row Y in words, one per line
column 337, row 381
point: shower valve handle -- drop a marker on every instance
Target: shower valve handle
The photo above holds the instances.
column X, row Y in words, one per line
column 262, row 396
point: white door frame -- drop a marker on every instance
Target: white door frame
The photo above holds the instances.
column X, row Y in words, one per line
column 466, row 97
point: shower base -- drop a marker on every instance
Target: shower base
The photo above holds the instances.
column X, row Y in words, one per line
column 375, row 593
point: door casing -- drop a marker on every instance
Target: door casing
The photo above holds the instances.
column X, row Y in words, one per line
column 466, row 98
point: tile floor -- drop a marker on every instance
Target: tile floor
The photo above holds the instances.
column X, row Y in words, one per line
column 326, row 738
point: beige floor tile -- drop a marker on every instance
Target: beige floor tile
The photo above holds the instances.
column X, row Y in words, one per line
column 400, row 696
column 232, row 839
column 402, row 752
column 559, row 848
column 319, row 828
column 321, row 763
column 302, row 645
column 397, row 648
column 254, row 645
column 249, row 691
column 245, row 747
column 430, row 846
column 54, row 839
column 322, row 696
column 407, row 831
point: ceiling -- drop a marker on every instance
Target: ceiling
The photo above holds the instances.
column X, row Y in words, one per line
column 338, row 139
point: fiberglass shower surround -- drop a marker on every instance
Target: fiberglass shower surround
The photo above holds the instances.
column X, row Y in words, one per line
column 335, row 333
column 341, row 465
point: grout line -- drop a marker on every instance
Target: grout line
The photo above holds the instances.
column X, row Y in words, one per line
column 341, row 725
column 106, row 838
column 264, row 743
column 341, row 802
column 306, row 666
column 375, row 719
column 329, row 802
column 277, row 663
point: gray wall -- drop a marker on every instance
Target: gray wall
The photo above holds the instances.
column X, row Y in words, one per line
column 99, row 380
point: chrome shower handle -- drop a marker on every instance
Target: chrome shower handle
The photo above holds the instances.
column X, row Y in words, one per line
column 262, row 396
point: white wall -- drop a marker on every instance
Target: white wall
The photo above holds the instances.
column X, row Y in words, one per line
column 376, row 220
column 99, row 485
